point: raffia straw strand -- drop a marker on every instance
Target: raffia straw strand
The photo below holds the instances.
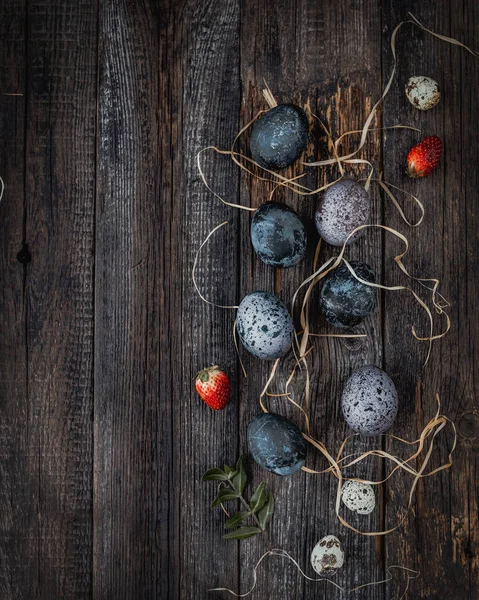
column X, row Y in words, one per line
column 193, row 270
column 2, row 188
column 281, row 553
column 237, row 350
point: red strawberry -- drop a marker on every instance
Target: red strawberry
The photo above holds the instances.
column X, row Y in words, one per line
column 213, row 386
column 423, row 158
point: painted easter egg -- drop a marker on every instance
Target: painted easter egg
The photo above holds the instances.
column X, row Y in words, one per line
column 423, row 92
column 264, row 325
column 279, row 137
column 344, row 206
column 327, row 556
column 346, row 301
column 278, row 235
column 276, row 444
column 358, row 497
column 369, row 401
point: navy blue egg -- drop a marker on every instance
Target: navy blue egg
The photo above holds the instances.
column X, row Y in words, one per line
column 346, row 301
column 278, row 235
column 279, row 137
column 276, row 444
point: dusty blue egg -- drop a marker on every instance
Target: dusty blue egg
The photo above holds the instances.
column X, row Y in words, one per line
column 346, row 301
column 278, row 235
column 369, row 401
column 279, row 137
column 276, row 444
column 264, row 325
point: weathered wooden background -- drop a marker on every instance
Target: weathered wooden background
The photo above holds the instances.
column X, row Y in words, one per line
column 102, row 438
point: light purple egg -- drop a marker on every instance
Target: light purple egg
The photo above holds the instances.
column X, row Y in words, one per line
column 344, row 206
column 369, row 401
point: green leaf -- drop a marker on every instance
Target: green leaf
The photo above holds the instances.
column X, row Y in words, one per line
column 265, row 514
column 214, row 475
column 259, row 497
column 242, row 533
column 224, row 495
column 239, row 480
column 230, row 472
column 235, row 520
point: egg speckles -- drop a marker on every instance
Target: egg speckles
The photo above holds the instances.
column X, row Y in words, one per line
column 423, row 92
column 276, row 444
column 327, row 556
column 279, row 137
column 278, row 235
column 344, row 206
column 358, row 497
column 264, row 325
column 369, row 401
column 346, row 301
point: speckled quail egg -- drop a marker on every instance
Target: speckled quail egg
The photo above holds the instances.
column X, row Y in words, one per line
column 345, row 301
column 369, row 401
column 327, row 556
column 358, row 497
column 276, row 444
column 344, row 206
column 264, row 325
column 422, row 92
column 278, row 235
column 279, row 137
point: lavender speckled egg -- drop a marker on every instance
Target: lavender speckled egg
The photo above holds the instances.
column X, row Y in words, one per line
column 369, row 401
column 264, row 325
column 346, row 301
column 279, row 137
column 276, row 444
column 423, row 92
column 327, row 556
column 278, row 235
column 344, row 206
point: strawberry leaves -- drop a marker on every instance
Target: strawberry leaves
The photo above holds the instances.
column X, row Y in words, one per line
column 232, row 484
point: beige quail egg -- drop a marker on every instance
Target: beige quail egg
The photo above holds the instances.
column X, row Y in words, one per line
column 422, row 92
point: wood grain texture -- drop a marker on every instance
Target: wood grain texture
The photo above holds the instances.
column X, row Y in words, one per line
column 439, row 539
column 18, row 522
column 128, row 414
column 103, row 439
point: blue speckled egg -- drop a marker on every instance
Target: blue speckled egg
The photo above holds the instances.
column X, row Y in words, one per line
column 276, row 444
column 344, row 206
column 264, row 325
column 346, row 301
column 279, row 137
column 369, row 401
column 278, row 235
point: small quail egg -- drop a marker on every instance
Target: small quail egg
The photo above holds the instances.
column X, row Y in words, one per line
column 358, row 497
column 422, row 92
column 327, row 556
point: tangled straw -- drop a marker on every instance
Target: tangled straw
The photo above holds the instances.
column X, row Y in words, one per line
column 411, row 574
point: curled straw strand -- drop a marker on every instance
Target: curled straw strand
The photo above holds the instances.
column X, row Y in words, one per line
column 195, row 262
column 2, row 188
column 411, row 574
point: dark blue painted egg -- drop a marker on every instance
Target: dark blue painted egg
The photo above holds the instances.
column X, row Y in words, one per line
column 264, row 325
column 278, row 235
column 279, row 137
column 276, row 444
column 346, row 301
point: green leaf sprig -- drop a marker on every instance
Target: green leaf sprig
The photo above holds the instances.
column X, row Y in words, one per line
column 259, row 510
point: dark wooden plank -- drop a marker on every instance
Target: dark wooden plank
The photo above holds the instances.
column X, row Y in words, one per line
column 207, row 35
column 18, row 565
column 441, row 539
column 49, row 323
column 326, row 57
column 131, row 415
